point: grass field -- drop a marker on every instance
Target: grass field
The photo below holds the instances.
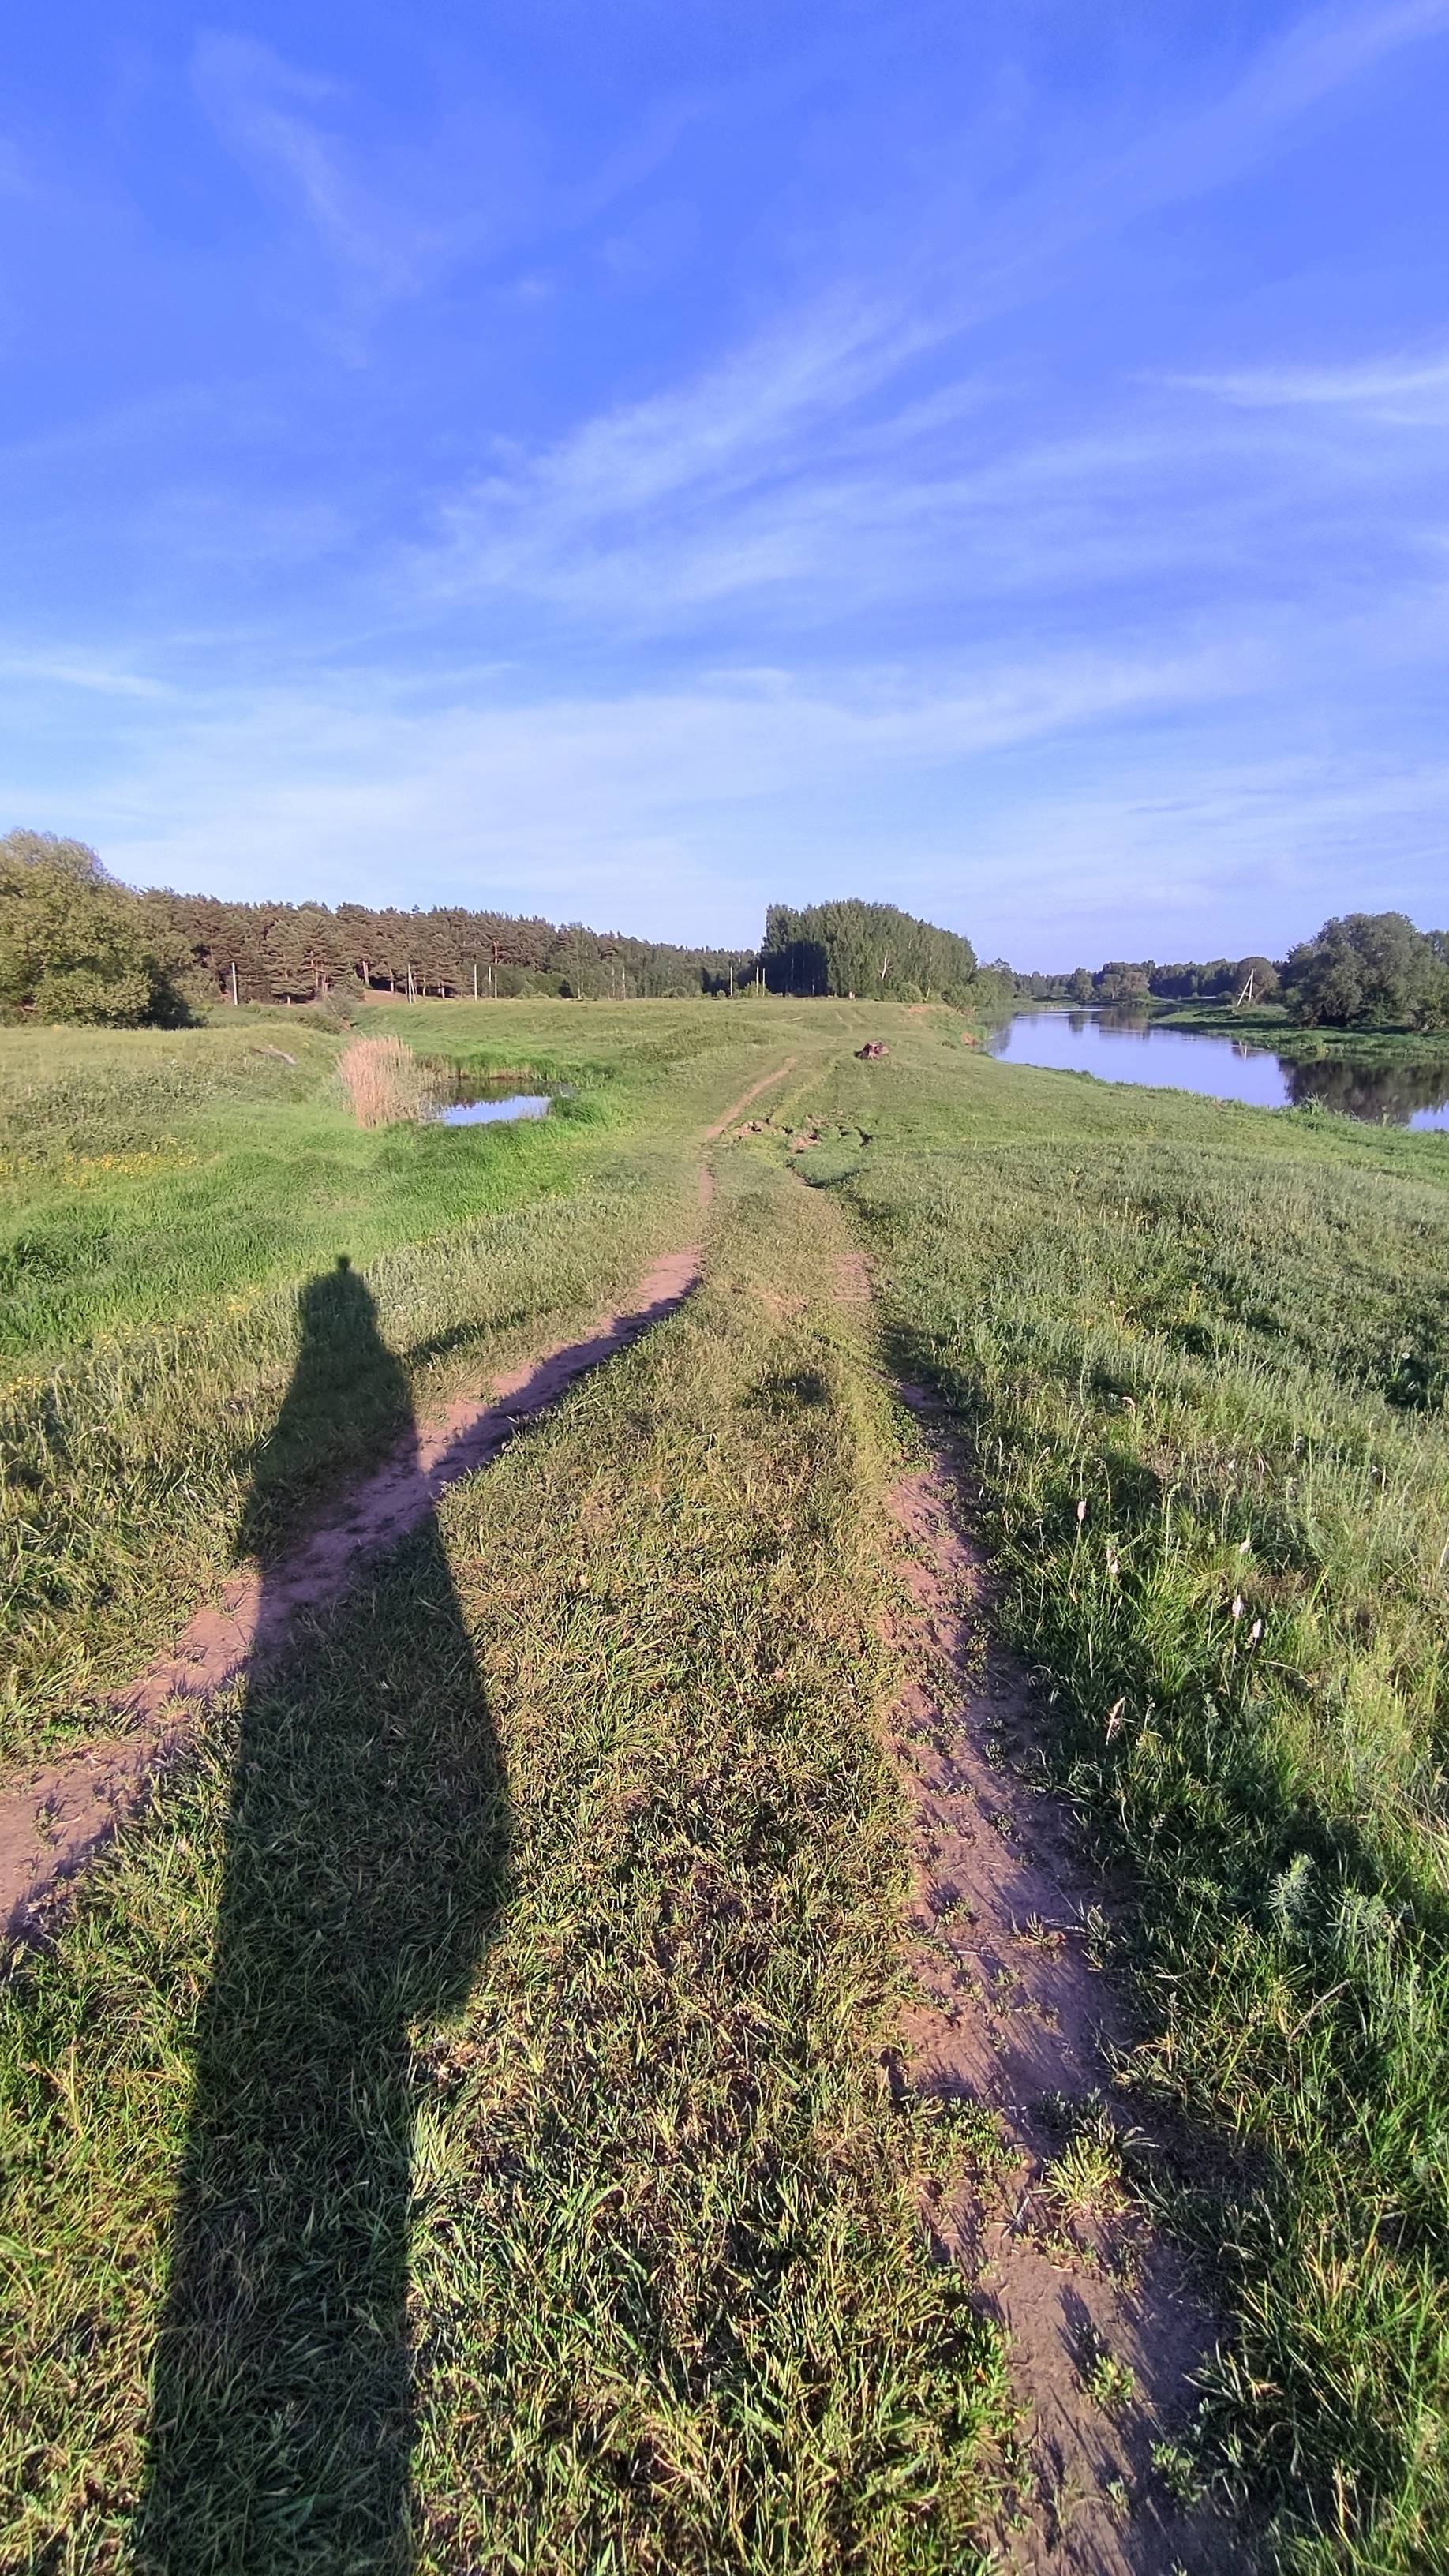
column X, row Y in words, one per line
column 449, row 2132
column 162, row 1198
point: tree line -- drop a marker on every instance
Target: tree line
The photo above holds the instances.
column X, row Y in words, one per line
column 76, row 945
column 869, row 950
column 1361, row 970
column 299, row 952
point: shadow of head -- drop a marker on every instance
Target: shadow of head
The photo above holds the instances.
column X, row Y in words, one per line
column 346, row 1403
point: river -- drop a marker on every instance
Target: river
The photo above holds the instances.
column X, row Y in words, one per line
column 1117, row 1048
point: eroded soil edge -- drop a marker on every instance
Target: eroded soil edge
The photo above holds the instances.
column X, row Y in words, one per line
column 1012, row 2045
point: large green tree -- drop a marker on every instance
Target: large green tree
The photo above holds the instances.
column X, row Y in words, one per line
column 76, row 946
column 1367, row 970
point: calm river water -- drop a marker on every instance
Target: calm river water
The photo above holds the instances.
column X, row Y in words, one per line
column 1119, row 1049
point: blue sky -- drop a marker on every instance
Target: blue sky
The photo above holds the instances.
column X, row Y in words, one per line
column 632, row 462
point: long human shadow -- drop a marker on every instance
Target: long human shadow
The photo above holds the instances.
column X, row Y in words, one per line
column 367, row 1848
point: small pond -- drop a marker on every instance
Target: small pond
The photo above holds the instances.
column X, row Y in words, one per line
column 465, row 1100
column 1118, row 1048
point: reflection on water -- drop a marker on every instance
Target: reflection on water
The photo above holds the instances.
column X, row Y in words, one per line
column 1119, row 1047
column 1410, row 1095
column 472, row 1100
column 481, row 1113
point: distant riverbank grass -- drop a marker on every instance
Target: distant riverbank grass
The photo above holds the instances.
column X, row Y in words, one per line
column 1268, row 1025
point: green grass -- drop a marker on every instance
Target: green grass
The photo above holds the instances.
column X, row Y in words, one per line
column 449, row 2133
column 1201, row 1357
column 164, row 1198
column 152, row 1176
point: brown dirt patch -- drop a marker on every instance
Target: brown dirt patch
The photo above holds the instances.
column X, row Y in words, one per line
column 54, row 1821
column 1018, row 2021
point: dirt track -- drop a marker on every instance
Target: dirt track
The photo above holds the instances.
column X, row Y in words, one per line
column 53, row 1821
column 1016, row 2018
column 1013, row 2017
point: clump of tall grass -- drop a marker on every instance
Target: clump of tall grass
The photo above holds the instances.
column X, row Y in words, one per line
column 386, row 1083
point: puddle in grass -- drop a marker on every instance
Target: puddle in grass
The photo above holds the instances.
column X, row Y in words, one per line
column 467, row 1102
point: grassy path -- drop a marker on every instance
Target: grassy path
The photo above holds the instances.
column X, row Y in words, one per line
column 458, row 2127
column 55, row 1820
column 540, row 2204
column 132, row 1443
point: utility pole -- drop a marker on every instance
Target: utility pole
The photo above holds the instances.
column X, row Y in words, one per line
column 732, row 980
column 412, row 996
column 235, row 996
column 493, row 971
column 475, row 979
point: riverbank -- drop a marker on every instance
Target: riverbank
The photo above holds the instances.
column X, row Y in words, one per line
column 1266, row 1025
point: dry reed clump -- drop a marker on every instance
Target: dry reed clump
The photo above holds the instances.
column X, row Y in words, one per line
column 385, row 1082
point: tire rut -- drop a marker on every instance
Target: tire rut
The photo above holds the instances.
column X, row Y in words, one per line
column 55, row 1820
column 1016, row 2020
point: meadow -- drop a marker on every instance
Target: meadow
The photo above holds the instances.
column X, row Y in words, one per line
column 161, row 1199
column 448, row 2131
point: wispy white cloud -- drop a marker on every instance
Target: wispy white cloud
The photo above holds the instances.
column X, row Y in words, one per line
column 855, row 470
column 400, row 216
column 1025, row 808
column 41, row 670
column 395, row 226
column 809, row 466
column 268, row 111
column 564, row 795
column 1218, row 851
column 1411, row 393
